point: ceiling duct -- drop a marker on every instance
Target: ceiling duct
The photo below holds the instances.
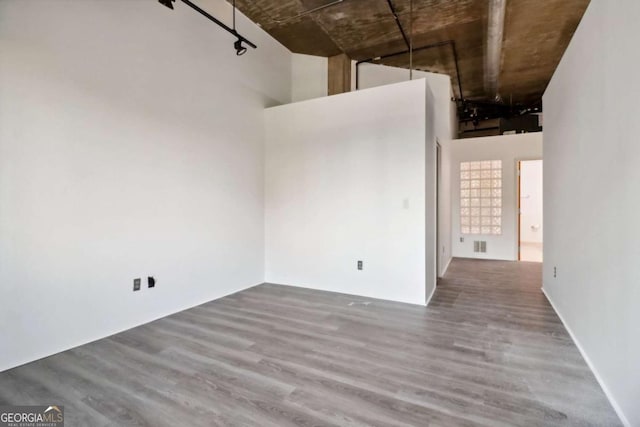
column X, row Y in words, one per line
column 495, row 34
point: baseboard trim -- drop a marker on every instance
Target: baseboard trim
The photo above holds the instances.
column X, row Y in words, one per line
column 313, row 288
column 43, row 355
column 603, row 385
column 446, row 267
column 433, row 291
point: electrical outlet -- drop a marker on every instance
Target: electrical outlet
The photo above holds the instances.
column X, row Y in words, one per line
column 555, row 272
column 136, row 284
column 360, row 266
column 151, row 282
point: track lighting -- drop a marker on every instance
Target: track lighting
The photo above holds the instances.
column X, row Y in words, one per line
column 238, row 45
column 168, row 3
column 240, row 50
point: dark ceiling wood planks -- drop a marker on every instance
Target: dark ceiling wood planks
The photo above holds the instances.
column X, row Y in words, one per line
column 536, row 35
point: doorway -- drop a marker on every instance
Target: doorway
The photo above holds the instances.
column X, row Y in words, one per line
column 530, row 219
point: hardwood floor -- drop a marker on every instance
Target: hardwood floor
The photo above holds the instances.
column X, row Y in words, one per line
column 489, row 350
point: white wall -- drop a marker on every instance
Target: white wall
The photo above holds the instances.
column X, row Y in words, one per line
column 346, row 181
column 445, row 128
column 531, row 201
column 374, row 75
column 591, row 204
column 509, row 149
column 430, row 190
column 309, row 77
column 444, row 208
column 131, row 144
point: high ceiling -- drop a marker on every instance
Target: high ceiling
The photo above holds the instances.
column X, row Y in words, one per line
column 536, row 34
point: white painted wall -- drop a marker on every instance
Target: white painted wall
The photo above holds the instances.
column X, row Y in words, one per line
column 591, row 205
column 509, row 149
column 430, row 190
column 531, row 221
column 445, row 128
column 444, row 208
column 131, row 144
column 374, row 75
column 309, row 77
column 346, row 180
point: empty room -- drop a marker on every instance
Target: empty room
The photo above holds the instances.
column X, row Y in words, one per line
column 319, row 213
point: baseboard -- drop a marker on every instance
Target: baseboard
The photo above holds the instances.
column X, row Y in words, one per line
column 45, row 354
column 446, row 267
column 433, row 291
column 314, row 288
column 604, row 387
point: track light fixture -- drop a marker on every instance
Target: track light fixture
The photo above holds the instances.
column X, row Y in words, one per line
column 238, row 45
column 240, row 50
column 168, row 3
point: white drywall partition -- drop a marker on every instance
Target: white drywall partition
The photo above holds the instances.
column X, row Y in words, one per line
column 509, row 149
column 445, row 128
column 591, row 197
column 444, row 208
column 531, row 220
column 446, row 120
column 374, row 75
column 131, row 145
column 346, row 181
column 309, row 77
column 431, row 193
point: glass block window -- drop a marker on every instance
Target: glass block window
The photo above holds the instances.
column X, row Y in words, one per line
column 481, row 197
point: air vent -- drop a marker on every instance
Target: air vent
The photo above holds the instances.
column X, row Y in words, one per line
column 480, row 246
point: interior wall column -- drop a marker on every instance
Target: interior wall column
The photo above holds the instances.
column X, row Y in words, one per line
column 339, row 74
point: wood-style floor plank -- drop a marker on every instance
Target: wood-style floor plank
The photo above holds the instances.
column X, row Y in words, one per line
column 488, row 351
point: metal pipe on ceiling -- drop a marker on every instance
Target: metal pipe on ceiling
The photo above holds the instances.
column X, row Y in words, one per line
column 306, row 12
column 451, row 43
column 495, row 34
column 410, row 39
column 455, row 61
column 399, row 24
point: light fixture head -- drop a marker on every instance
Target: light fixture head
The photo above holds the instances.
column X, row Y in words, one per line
column 240, row 50
column 168, row 3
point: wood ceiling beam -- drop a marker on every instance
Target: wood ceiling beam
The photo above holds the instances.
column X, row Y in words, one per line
column 339, row 74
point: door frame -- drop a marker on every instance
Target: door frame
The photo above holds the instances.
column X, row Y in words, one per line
column 519, row 161
column 438, row 193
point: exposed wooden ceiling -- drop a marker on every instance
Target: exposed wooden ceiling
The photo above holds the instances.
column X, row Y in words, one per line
column 536, row 34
